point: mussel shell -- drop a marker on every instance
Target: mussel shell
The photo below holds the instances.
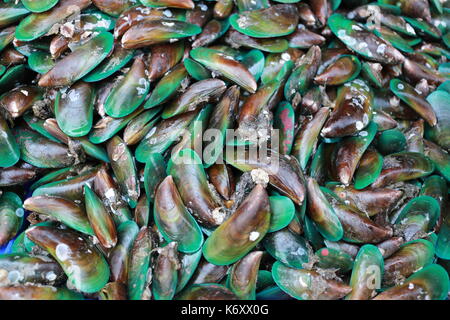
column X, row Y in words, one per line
column 241, row 232
column 83, row 264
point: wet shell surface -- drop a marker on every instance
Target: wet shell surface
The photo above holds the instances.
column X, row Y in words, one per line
column 224, row 150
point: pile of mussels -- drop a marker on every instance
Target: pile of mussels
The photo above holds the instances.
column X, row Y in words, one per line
column 333, row 186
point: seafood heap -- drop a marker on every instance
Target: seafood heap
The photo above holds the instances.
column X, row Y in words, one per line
column 112, row 187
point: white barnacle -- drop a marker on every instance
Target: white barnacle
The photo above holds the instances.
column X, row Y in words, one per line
column 62, row 251
column 50, row 276
column 19, row 212
column 14, row 276
column 381, row 49
column 410, row 29
column 365, row 119
column 73, row 95
column 359, row 125
column 302, row 282
column 142, row 90
column 110, row 194
column 243, row 22
column 218, row 215
column 342, row 33
column 167, row 13
column 260, row 176
column 362, row 45
column 286, row 56
column 254, row 235
column 168, row 24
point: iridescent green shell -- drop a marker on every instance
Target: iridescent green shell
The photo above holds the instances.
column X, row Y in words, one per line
column 39, row 5
column 266, row 23
column 74, row 109
column 282, row 211
column 287, row 247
